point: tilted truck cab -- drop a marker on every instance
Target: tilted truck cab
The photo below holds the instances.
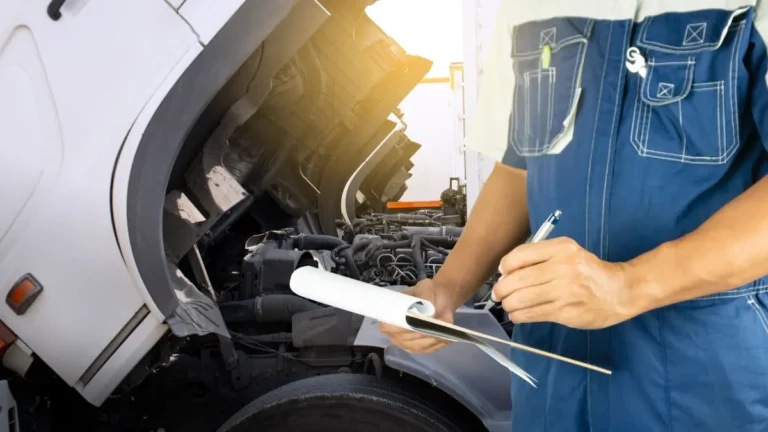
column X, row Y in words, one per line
column 167, row 164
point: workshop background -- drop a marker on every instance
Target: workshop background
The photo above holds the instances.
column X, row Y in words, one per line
column 454, row 35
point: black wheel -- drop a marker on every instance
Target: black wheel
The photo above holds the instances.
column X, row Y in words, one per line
column 347, row 403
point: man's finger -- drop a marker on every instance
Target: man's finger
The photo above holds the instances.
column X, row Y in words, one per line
column 538, row 274
column 529, row 297
column 425, row 346
column 541, row 313
column 389, row 329
column 411, row 336
column 434, row 348
column 530, row 254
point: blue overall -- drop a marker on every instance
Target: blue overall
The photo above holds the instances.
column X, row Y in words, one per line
column 637, row 153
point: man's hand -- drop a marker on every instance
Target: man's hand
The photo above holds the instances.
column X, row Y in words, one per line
column 558, row 281
column 417, row 343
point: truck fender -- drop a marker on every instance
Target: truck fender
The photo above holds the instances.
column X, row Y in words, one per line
column 461, row 370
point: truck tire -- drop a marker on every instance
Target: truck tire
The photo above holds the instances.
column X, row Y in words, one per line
column 346, row 403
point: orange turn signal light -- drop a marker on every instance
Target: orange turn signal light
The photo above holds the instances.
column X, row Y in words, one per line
column 23, row 294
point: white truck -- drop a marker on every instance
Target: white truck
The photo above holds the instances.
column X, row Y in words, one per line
column 164, row 167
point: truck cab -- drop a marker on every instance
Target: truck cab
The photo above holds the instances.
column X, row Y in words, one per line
column 167, row 164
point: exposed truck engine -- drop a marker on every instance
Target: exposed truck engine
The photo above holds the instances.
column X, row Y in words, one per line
column 276, row 337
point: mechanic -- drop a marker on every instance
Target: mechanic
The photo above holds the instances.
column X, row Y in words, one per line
column 646, row 123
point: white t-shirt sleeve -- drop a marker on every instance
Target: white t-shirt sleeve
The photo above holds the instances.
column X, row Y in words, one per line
column 488, row 132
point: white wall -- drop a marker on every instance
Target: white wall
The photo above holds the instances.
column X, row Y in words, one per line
column 431, row 29
column 479, row 17
column 444, row 31
column 430, row 119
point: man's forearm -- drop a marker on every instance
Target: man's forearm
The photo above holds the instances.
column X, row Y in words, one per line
column 498, row 222
column 727, row 251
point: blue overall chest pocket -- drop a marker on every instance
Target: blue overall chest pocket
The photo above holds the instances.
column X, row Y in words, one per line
column 548, row 58
column 688, row 86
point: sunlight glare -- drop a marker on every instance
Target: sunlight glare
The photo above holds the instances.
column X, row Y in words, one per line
column 428, row 28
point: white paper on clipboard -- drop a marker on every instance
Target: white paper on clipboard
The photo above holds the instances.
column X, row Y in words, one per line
column 387, row 306
column 406, row 311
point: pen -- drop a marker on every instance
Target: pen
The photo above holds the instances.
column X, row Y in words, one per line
column 546, row 228
column 543, row 232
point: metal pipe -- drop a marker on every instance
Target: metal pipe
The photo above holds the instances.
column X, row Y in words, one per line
column 434, row 231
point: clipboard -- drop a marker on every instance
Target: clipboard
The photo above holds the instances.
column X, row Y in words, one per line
column 408, row 312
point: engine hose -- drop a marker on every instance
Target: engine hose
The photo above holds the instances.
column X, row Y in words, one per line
column 349, row 257
column 418, row 260
column 435, row 231
column 405, row 217
column 440, row 241
column 428, row 245
column 374, row 360
column 336, row 254
column 396, row 245
column 266, row 309
column 317, row 242
column 371, row 251
column 362, row 244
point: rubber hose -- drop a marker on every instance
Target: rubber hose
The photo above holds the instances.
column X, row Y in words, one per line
column 440, row 241
column 317, row 242
column 266, row 309
column 362, row 244
column 374, row 360
column 428, row 245
column 349, row 257
column 446, row 242
column 435, row 231
column 396, row 245
column 281, row 307
column 418, row 260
